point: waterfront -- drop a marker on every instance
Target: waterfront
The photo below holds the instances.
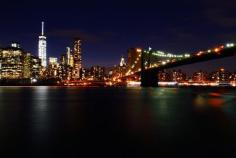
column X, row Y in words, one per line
column 116, row 122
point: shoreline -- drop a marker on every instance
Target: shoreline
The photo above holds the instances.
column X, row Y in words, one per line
column 107, row 87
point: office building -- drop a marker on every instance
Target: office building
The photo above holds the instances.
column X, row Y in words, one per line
column 77, row 59
column 17, row 64
column 42, row 47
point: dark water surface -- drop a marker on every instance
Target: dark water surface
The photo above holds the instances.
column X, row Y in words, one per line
column 71, row 122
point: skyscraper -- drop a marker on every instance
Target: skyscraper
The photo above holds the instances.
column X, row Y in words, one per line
column 12, row 63
column 15, row 63
column 77, row 59
column 42, row 47
column 68, row 53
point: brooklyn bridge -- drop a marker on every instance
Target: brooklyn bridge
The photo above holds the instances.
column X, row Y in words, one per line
column 149, row 63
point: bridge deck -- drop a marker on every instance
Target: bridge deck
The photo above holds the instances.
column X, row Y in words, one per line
column 196, row 59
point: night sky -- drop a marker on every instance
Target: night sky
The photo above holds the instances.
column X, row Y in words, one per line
column 109, row 28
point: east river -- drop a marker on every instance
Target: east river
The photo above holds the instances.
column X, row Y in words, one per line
column 117, row 122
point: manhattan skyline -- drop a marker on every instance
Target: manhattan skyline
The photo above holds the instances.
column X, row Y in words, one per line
column 108, row 29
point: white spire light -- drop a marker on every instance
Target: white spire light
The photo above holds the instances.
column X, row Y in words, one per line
column 42, row 28
column 42, row 47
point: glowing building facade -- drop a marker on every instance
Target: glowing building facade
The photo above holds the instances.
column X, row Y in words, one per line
column 42, row 47
column 17, row 64
column 12, row 60
column 52, row 69
column 77, row 59
column 53, row 61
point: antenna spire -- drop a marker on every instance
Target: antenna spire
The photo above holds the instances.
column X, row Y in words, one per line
column 42, row 28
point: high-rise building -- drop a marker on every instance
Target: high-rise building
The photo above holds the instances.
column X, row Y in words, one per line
column 42, row 47
column 71, row 63
column 69, row 57
column 17, row 64
column 12, row 63
column 77, row 59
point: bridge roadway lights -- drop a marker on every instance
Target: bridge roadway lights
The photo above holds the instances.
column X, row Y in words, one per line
column 149, row 79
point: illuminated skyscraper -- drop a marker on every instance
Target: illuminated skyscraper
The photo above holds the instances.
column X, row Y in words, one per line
column 42, row 47
column 77, row 59
column 69, row 57
column 68, row 53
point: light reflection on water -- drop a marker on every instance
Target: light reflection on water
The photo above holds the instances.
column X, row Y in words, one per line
column 213, row 99
column 42, row 117
column 40, row 105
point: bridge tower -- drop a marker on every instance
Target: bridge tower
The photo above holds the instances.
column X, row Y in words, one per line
column 149, row 78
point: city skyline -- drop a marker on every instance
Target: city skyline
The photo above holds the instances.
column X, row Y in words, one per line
column 117, row 78
column 108, row 36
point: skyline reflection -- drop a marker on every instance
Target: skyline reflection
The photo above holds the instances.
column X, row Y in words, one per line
column 42, row 121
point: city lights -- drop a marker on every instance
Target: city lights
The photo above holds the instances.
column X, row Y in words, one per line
column 230, row 45
column 164, row 63
column 139, row 50
column 125, row 79
column 67, row 70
